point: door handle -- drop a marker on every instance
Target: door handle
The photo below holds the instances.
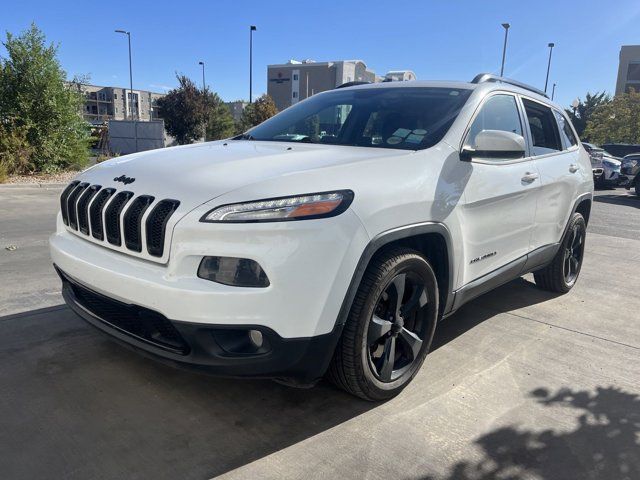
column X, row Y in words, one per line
column 530, row 177
column 573, row 168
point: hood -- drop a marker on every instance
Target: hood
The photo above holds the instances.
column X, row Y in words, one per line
column 195, row 174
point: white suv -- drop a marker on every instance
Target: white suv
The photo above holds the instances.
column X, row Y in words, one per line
column 331, row 238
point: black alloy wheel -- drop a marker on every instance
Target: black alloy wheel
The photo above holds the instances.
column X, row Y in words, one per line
column 573, row 253
column 389, row 328
column 396, row 328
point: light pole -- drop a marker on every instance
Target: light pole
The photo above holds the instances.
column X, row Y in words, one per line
column 504, row 48
column 204, row 85
column 546, row 82
column 252, row 29
column 206, row 102
column 553, row 91
column 135, row 126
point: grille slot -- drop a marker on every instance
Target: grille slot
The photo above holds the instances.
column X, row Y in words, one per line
column 71, row 204
column 83, row 203
column 112, row 217
column 63, row 201
column 133, row 222
column 139, row 322
column 156, row 225
column 95, row 212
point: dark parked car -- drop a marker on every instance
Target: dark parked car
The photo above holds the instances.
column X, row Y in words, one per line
column 621, row 149
column 631, row 170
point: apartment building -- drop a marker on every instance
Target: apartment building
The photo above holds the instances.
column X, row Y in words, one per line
column 115, row 103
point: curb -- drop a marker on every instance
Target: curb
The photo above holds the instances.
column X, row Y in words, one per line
column 9, row 186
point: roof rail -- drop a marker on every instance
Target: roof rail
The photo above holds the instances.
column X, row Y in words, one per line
column 351, row 84
column 489, row 77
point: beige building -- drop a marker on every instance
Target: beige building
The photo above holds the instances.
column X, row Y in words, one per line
column 115, row 103
column 293, row 81
column 628, row 69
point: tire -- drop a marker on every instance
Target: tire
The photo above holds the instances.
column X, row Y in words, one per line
column 562, row 273
column 637, row 187
column 376, row 367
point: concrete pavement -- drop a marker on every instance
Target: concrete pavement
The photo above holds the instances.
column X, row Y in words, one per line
column 520, row 383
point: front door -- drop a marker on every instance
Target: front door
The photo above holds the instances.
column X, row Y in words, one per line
column 500, row 197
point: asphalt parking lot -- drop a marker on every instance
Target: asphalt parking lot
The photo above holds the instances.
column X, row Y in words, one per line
column 521, row 384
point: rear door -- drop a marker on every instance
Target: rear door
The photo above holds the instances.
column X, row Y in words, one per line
column 554, row 147
column 500, row 196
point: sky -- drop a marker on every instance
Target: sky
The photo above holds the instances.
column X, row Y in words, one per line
column 438, row 40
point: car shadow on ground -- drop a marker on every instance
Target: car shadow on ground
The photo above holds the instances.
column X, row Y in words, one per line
column 512, row 296
column 77, row 405
column 629, row 200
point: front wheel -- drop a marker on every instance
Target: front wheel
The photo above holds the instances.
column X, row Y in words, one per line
column 562, row 273
column 389, row 328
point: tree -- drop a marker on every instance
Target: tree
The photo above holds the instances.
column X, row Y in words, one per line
column 184, row 111
column 581, row 115
column 220, row 121
column 257, row 112
column 39, row 110
column 617, row 121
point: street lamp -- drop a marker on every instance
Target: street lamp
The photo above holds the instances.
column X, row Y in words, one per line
column 135, row 127
column 206, row 102
column 546, row 82
column 252, row 29
column 504, row 48
column 204, row 85
column 553, row 91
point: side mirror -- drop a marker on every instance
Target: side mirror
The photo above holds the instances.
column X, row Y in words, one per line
column 496, row 144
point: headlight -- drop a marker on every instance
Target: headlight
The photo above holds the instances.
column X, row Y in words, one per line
column 610, row 164
column 300, row 207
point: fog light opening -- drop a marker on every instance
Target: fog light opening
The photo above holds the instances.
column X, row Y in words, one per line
column 256, row 338
column 236, row 272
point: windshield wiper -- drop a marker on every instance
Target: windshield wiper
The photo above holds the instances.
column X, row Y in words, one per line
column 244, row 136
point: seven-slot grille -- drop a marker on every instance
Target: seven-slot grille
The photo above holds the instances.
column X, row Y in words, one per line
column 96, row 211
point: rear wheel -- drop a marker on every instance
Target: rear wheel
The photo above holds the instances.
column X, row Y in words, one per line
column 390, row 327
column 562, row 273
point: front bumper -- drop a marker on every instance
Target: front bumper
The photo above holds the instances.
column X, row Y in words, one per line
column 215, row 349
column 309, row 265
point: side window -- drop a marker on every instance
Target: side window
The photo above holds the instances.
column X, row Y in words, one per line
column 568, row 138
column 544, row 131
column 499, row 112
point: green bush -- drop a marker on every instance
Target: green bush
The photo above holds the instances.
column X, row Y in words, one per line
column 39, row 110
column 15, row 150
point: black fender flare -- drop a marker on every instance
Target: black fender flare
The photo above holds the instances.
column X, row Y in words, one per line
column 385, row 238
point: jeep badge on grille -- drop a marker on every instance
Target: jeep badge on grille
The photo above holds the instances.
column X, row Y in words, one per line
column 124, row 179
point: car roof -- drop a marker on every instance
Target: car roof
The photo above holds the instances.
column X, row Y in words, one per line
column 484, row 87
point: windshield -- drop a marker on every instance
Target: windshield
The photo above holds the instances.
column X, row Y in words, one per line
column 402, row 118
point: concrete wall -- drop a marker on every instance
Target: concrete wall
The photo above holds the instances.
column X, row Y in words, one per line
column 151, row 135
